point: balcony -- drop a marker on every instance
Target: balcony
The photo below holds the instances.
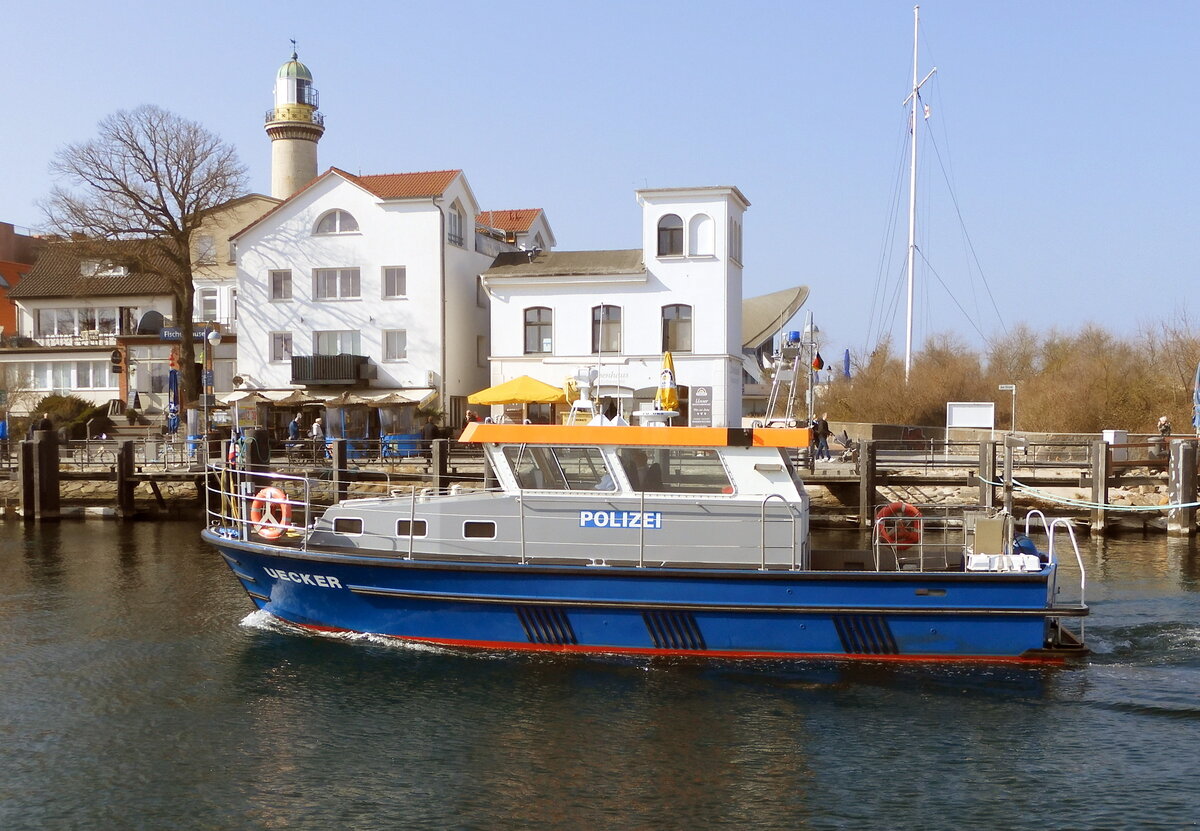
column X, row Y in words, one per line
column 83, row 339
column 330, row 370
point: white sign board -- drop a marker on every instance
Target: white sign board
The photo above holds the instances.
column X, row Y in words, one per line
column 978, row 414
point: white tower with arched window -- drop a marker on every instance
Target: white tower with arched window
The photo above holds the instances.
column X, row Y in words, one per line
column 295, row 127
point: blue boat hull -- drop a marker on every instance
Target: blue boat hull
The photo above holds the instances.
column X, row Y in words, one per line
column 713, row 612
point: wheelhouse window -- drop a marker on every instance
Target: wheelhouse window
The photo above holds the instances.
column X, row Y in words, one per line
column 670, row 236
column 281, row 285
column 606, row 329
column 336, row 222
column 539, row 330
column 677, row 328
column 688, row 470
column 559, row 468
column 335, row 283
column 395, row 281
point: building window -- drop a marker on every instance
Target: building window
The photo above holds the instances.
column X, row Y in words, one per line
column 206, row 304
column 539, row 330
column 670, row 236
column 336, row 222
column 206, row 250
column 335, row 343
column 335, row 283
column 101, row 268
column 735, row 240
column 701, row 236
column 281, row 285
column 395, row 281
column 232, row 252
column 606, row 329
column 677, row 328
column 281, row 346
column 454, row 225
column 395, row 345
column 233, row 305
column 101, row 321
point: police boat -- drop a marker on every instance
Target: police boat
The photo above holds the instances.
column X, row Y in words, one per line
column 673, row 541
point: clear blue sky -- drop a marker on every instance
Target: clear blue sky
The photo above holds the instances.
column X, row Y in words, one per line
column 1069, row 130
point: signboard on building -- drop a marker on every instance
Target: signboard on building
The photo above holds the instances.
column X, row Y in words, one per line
column 700, row 406
column 174, row 333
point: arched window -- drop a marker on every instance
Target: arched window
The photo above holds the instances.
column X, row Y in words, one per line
column 677, row 328
column 539, row 330
column 606, row 329
column 336, row 222
column 701, row 236
column 670, row 236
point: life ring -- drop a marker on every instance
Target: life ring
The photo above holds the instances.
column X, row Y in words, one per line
column 902, row 532
column 262, row 512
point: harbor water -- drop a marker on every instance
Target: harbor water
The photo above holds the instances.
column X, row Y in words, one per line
column 139, row 690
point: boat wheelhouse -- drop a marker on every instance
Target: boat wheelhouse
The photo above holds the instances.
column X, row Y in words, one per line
column 641, row 540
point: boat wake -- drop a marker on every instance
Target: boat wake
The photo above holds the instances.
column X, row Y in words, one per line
column 265, row 621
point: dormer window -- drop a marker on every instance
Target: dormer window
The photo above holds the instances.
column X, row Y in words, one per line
column 454, row 225
column 101, row 268
column 670, row 236
column 337, row 222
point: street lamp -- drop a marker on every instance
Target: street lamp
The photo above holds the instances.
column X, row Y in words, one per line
column 1013, row 389
column 213, row 338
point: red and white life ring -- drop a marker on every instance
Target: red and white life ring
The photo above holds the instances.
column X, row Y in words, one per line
column 903, row 531
column 268, row 502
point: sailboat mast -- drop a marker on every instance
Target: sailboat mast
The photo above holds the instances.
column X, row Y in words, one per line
column 912, row 202
column 913, row 99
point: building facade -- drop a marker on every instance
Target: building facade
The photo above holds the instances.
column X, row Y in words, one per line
column 557, row 314
column 370, row 283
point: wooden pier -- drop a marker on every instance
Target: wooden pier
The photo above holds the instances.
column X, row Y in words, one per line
column 996, row 471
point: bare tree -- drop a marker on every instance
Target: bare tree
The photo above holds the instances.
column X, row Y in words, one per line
column 148, row 178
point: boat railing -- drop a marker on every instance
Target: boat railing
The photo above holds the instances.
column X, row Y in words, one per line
column 1069, row 527
column 924, row 541
column 762, row 522
column 235, row 495
column 276, row 505
column 416, row 508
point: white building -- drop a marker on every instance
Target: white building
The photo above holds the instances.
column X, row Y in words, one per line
column 371, row 283
column 554, row 313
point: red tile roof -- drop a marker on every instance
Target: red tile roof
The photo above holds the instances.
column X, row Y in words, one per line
column 513, row 219
column 404, row 185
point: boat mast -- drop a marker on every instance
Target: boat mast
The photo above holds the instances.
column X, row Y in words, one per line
column 912, row 99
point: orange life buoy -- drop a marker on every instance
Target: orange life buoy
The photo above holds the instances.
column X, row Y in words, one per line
column 902, row 532
column 263, row 509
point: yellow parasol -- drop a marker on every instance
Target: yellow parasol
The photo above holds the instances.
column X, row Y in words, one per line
column 667, row 397
column 521, row 390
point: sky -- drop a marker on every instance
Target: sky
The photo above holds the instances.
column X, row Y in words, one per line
column 1057, row 173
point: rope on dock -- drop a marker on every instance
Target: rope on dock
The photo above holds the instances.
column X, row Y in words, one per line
column 1083, row 503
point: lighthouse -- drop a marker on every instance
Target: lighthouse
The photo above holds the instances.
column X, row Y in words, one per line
column 295, row 127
